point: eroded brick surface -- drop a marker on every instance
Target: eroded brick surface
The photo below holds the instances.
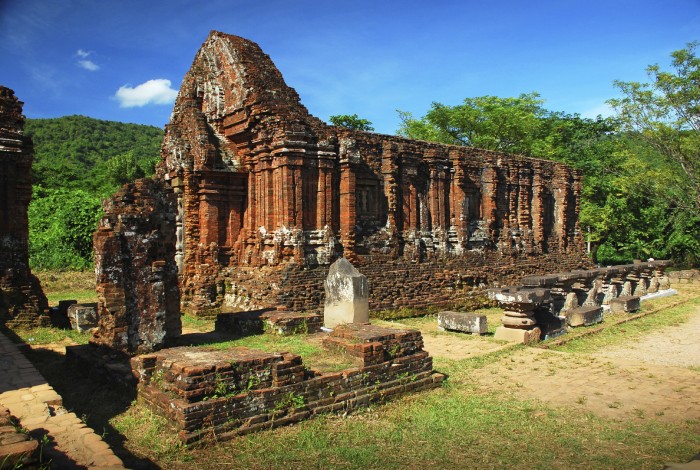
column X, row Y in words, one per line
column 138, row 296
column 217, row 394
column 261, row 183
column 22, row 302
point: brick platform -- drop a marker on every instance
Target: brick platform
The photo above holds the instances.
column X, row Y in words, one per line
column 208, row 393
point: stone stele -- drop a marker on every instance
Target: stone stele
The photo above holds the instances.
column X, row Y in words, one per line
column 347, row 295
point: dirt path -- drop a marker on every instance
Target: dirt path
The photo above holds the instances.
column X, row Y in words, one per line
column 677, row 345
column 636, row 380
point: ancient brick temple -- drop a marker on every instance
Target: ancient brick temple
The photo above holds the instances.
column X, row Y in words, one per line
column 268, row 196
column 21, row 298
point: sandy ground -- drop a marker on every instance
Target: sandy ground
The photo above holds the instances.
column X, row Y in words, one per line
column 656, row 377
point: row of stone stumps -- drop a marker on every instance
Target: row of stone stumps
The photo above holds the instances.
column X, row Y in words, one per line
column 543, row 306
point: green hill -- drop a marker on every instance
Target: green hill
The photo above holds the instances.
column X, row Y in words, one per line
column 78, row 152
column 77, row 162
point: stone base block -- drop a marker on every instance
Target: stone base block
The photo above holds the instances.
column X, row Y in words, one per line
column 584, row 316
column 625, row 304
column 342, row 313
column 550, row 325
column 82, row 317
column 464, row 322
column 518, row 336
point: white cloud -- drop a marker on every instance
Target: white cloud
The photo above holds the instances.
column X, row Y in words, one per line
column 88, row 65
column 601, row 110
column 156, row 91
column 84, row 62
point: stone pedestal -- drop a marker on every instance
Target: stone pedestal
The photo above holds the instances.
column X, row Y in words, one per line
column 625, row 304
column 519, row 312
column 347, row 295
column 585, row 316
column 518, row 336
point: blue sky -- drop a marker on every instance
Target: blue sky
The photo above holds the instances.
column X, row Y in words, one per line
column 66, row 57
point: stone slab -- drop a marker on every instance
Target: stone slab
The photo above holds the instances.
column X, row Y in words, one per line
column 625, row 304
column 465, row 322
column 82, row 317
column 518, row 336
column 584, row 316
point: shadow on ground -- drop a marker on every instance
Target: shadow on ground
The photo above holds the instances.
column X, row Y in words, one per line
column 94, row 402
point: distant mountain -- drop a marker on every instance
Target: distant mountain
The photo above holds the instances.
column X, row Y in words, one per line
column 74, row 152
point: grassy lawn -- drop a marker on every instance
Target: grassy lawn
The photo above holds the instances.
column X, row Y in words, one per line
column 460, row 425
column 68, row 285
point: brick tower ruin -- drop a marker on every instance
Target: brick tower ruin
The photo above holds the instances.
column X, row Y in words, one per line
column 22, row 302
column 268, row 196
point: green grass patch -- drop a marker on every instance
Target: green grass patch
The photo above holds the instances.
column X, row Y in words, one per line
column 312, row 353
column 448, row 427
column 428, row 324
column 50, row 335
column 197, row 323
column 68, row 285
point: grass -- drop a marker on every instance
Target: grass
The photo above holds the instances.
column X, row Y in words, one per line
column 630, row 331
column 51, row 335
column 461, row 424
column 428, row 324
column 196, row 323
column 307, row 346
column 68, row 285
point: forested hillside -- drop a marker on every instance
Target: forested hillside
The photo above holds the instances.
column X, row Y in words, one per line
column 78, row 152
column 78, row 161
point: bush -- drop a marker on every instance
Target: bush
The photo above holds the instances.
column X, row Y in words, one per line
column 61, row 224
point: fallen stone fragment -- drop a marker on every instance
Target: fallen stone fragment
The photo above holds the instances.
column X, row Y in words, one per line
column 625, row 304
column 464, row 322
column 585, row 316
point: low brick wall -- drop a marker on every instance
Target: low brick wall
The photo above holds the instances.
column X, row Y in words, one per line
column 214, row 394
column 442, row 283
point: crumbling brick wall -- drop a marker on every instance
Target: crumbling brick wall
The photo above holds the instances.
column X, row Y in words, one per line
column 22, row 302
column 260, row 183
column 137, row 290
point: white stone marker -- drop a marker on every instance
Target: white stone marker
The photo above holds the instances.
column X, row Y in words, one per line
column 347, row 295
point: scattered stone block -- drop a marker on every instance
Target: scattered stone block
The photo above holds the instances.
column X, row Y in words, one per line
column 585, row 316
column 82, row 317
column 625, row 304
column 347, row 295
column 549, row 324
column 464, row 322
column 517, row 335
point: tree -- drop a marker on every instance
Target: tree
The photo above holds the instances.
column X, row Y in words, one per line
column 488, row 122
column 666, row 115
column 351, row 122
column 123, row 168
column 61, row 224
